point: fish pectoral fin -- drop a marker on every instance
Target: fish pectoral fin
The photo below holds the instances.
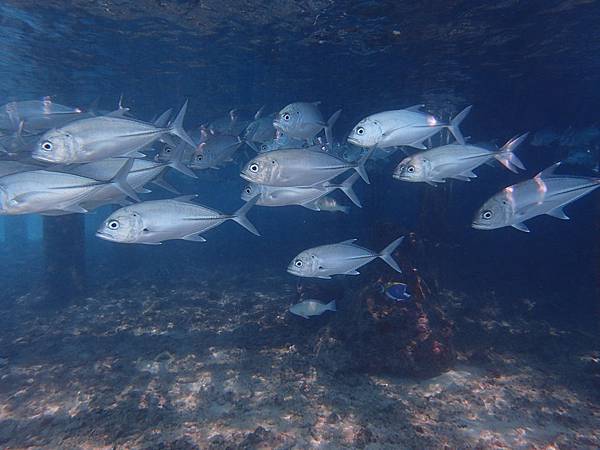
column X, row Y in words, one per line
column 195, row 237
column 135, row 154
column 75, row 209
column 324, row 277
column 521, row 227
column 22, row 198
column 352, row 272
column 419, row 145
column 349, row 241
column 461, row 177
column 558, row 213
column 311, row 205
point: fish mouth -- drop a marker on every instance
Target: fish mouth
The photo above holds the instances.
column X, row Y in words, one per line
column 105, row 236
column 353, row 141
column 245, row 176
column 479, row 226
column 292, row 272
column 42, row 157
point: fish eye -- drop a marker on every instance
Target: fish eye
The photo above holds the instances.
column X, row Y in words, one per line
column 286, row 116
column 254, row 168
column 272, row 161
column 47, row 145
column 168, row 150
column 487, row 214
column 298, row 263
column 410, row 169
column 360, row 131
column 199, row 157
column 248, row 190
column 113, row 224
column 263, row 147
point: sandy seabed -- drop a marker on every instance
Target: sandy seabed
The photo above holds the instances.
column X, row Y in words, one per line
column 189, row 366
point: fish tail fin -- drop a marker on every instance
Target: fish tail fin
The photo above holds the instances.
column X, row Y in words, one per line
column 329, row 127
column 177, row 162
column 176, row 127
column 454, row 125
column 360, row 165
column 331, row 306
column 162, row 120
column 506, row 154
column 346, row 188
column 386, row 254
column 240, row 216
column 120, row 180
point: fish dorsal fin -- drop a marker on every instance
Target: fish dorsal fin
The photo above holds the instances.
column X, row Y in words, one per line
column 316, row 103
column 415, row 108
column 548, row 171
column 349, row 241
column 186, row 198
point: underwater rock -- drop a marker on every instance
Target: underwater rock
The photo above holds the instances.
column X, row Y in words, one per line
column 374, row 334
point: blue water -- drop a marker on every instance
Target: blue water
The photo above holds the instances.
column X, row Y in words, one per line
column 525, row 67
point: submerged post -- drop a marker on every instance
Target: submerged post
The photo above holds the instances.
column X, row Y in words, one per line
column 64, row 258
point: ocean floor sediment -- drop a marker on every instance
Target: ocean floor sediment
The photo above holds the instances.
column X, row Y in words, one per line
column 202, row 364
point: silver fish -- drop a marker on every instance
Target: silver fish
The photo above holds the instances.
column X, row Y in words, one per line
column 102, row 137
column 303, row 196
column 216, row 151
column 455, row 161
column 259, row 131
column 37, row 115
column 155, row 221
column 142, row 172
column 408, row 127
column 233, row 124
column 304, row 121
column 327, row 203
column 546, row 193
column 38, row 191
column 339, row 259
column 281, row 141
column 299, row 167
column 308, row 308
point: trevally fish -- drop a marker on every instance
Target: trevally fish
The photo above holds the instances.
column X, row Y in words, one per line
column 37, row 115
column 233, row 124
column 215, row 151
column 302, row 120
column 299, row 167
column 260, row 130
column 308, row 308
column 40, row 191
column 101, row 137
column 546, row 193
column 586, row 159
column 329, row 204
column 408, row 127
column 155, row 221
column 303, row 196
column 455, row 161
column 142, row 172
column 339, row 259
column 280, row 142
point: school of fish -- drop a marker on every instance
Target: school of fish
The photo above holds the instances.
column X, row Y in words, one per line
column 62, row 160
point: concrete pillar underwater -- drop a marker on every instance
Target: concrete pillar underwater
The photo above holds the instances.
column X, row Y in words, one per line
column 64, row 259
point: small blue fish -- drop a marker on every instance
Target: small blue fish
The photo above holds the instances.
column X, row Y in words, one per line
column 396, row 291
